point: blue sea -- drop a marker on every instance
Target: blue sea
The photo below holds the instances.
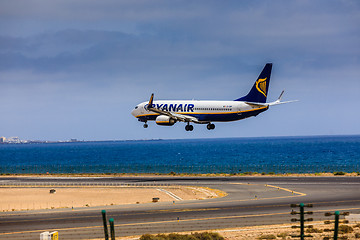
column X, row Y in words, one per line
column 225, row 155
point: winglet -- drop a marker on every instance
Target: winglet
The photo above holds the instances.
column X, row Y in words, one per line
column 150, row 101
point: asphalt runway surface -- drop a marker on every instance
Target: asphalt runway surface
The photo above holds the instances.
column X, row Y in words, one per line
column 251, row 201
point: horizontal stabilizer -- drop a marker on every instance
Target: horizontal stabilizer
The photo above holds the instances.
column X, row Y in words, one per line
column 278, row 101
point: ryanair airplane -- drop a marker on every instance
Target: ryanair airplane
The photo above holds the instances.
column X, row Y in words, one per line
column 168, row 112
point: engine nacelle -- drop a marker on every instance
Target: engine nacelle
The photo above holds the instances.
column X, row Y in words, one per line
column 165, row 120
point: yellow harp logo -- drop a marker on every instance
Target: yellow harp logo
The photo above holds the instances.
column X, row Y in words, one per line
column 261, row 85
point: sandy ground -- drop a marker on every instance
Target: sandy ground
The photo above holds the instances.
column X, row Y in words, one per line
column 29, row 198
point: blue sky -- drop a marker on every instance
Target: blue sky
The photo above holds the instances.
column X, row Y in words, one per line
column 75, row 69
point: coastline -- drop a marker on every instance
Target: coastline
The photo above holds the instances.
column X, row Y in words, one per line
column 172, row 174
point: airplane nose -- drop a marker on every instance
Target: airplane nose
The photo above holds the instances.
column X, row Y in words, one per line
column 135, row 111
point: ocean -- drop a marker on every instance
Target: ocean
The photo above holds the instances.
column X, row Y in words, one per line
column 223, row 155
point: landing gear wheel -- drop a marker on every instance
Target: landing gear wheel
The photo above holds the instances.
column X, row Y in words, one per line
column 145, row 125
column 210, row 126
column 189, row 127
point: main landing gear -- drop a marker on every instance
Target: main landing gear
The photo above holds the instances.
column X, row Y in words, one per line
column 210, row 126
column 189, row 127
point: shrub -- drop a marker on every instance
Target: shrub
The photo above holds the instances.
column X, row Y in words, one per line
column 345, row 229
column 282, row 235
column 357, row 235
column 151, row 237
column 270, row 236
column 175, row 236
column 339, row 173
column 314, row 230
column 208, row 236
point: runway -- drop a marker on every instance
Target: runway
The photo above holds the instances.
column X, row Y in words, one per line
column 251, row 201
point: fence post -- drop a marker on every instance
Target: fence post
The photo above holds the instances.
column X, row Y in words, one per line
column 336, row 227
column 302, row 219
column 336, row 223
column 103, row 212
column 112, row 229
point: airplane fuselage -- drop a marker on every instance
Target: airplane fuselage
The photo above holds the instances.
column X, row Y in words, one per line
column 204, row 111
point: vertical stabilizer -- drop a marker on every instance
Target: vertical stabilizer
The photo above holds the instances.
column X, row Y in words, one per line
column 259, row 91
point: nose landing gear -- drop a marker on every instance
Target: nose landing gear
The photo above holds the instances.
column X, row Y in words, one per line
column 145, row 125
column 210, row 126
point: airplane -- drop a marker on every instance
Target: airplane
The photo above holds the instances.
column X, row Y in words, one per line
column 168, row 112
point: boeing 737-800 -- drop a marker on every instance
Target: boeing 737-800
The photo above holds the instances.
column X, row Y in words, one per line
column 168, row 112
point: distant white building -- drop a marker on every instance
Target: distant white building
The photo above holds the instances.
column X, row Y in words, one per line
column 13, row 140
column 2, row 139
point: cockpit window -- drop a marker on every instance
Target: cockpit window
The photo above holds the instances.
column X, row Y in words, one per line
column 136, row 107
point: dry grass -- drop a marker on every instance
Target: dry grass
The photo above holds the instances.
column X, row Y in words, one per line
column 279, row 232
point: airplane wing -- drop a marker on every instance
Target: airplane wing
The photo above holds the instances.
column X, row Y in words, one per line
column 178, row 117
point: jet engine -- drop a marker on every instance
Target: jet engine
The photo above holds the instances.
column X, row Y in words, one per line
column 165, row 120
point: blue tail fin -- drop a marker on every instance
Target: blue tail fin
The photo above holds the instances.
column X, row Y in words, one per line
column 258, row 92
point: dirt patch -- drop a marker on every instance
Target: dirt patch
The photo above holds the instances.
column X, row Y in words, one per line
column 30, row 198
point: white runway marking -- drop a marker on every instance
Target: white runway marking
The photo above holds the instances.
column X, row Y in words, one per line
column 170, row 194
